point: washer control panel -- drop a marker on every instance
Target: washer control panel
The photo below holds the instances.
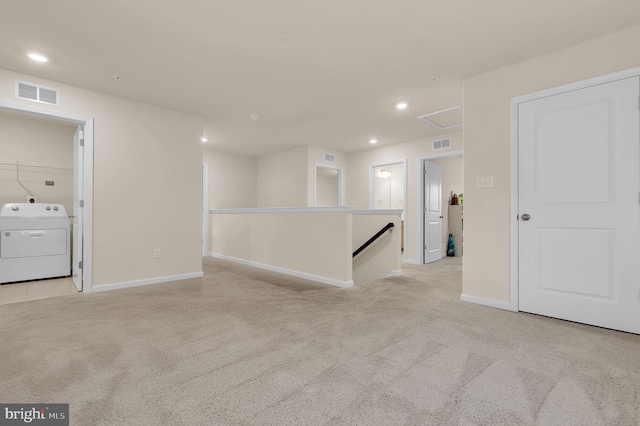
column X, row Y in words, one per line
column 32, row 210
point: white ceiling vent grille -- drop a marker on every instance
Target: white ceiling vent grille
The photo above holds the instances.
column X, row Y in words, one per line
column 330, row 158
column 442, row 144
column 36, row 93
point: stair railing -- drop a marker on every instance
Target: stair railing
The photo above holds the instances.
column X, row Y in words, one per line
column 371, row 240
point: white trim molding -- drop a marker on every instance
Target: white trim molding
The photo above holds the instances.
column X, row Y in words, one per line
column 87, row 180
column 344, row 209
column 379, row 212
column 205, row 206
column 285, row 271
column 396, row 273
column 514, row 239
column 488, row 302
column 146, row 281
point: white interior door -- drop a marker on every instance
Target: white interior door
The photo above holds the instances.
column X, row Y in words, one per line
column 579, row 211
column 78, row 173
column 432, row 173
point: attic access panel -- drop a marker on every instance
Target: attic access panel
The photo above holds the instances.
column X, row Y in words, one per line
column 444, row 119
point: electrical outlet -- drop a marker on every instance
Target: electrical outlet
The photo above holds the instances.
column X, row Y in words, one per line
column 484, row 182
column 157, row 253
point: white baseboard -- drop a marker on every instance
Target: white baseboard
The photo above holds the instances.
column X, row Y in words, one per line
column 487, row 302
column 293, row 273
column 396, row 273
column 146, row 281
column 411, row 262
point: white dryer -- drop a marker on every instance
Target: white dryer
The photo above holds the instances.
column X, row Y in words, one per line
column 35, row 242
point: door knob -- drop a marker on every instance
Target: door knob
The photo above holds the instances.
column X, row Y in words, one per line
column 526, row 217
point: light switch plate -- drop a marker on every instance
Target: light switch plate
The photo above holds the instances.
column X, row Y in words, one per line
column 484, row 182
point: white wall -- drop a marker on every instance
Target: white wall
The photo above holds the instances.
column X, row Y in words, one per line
column 487, row 146
column 233, row 180
column 283, row 179
column 147, row 183
column 287, row 178
column 357, row 174
column 27, row 138
column 311, row 243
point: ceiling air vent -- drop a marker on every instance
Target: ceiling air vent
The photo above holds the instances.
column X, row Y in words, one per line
column 442, row 144
column 33, row 92
column 330, row 158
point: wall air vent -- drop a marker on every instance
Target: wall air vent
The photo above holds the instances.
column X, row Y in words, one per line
column 330, row 158
column 442, row 144
column 36, row 93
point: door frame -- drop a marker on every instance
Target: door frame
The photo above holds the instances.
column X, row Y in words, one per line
column 514, row 239
column 315, row 182
column 372, row 167
column 421, row 204
column 87, row 175
column 205, row 210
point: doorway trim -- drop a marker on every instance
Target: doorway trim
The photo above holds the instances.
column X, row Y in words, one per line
column 205, row 210
column 87, row 187
column 405, row 163
column 514, row 238
column 421, row 205
column 315, row 182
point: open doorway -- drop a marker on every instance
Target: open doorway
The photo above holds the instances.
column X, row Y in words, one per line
column 328, row 186
column 434, row 240
column 388, row 189
column 81, row 181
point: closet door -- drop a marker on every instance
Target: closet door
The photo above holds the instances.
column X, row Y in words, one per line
column 579, row 211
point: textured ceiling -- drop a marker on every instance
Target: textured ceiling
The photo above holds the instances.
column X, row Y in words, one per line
column 325, row 73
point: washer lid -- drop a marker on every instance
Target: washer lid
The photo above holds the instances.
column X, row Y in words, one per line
column 32, row 211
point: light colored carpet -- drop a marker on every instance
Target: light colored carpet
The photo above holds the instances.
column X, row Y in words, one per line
column 244, row 346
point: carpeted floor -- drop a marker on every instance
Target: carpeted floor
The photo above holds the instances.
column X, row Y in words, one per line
column 245, row 346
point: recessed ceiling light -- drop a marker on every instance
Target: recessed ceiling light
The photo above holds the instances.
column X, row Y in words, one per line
column 37, row 57
column 402, row 105
column 204, row 139
column 253, row 116
column 372, row 141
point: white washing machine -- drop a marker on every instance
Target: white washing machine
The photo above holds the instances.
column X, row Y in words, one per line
column 34, row 242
